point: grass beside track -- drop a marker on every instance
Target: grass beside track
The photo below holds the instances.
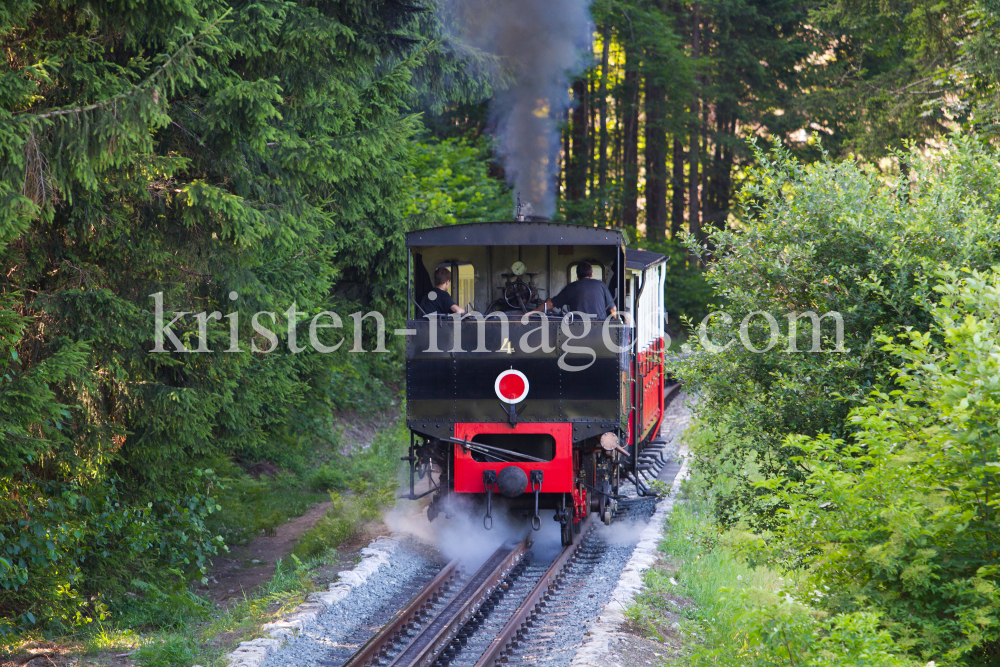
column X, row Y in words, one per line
column 744, row 614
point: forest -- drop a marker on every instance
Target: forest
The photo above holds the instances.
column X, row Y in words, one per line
column 830, row 155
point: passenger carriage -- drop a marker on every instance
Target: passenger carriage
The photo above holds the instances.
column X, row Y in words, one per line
column 547, row 410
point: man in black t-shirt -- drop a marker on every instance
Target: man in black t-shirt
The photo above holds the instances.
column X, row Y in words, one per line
column 438, row 300
column 587, row 295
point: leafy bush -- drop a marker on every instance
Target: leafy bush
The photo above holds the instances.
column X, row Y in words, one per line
column 905, row 516
column 61, row 543
column 369, row 478
column 748, row 615
column 449, row 183
column 330, row 477
column 827, row 237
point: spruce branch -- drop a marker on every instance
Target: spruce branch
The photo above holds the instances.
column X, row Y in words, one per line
column 360, row 133
column 137, row 87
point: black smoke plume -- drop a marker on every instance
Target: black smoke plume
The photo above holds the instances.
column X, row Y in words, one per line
column 539, row 43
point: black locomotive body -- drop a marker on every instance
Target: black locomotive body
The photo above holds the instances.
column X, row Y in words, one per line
column 550, row 410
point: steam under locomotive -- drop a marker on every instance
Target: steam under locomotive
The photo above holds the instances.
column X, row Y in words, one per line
column 548, row 410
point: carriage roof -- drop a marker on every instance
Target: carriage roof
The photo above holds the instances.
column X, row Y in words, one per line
column 640, row 260
column 514, row 233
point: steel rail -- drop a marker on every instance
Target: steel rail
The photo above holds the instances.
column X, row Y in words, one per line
column 532, row 604
column 402, row 618
column 428, row 645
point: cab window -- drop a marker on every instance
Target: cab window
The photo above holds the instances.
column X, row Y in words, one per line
column 463, row 282
column 598, row 271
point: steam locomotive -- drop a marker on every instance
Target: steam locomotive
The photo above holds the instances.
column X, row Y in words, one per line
column 546, row 410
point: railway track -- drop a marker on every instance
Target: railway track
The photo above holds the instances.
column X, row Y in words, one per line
column 511, row 611
column 448, row 617
column 507, row 611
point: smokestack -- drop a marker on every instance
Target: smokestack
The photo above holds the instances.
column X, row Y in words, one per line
column 540, row 43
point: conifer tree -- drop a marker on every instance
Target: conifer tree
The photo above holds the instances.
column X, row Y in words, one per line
column 228, row 157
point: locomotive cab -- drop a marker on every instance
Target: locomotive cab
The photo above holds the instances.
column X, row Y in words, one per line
column 535, row 408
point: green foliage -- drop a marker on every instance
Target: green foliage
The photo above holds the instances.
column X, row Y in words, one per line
column 66, row 535
column 450, row 183
column 979, row 69
column 827, row 237
column 31, row 416
column 250, row 508
column 905, row 516
column 192, row 149
column 341, row 523
column 886, row 78
column 746, row 615
column 150, row 606
column 330, row 477
column 363, row 485
column 173, row 650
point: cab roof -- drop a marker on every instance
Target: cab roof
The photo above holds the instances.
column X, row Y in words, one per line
column 514, row 233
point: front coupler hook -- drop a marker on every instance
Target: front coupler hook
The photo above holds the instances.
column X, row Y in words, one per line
column 536, row 487
column 490, row 482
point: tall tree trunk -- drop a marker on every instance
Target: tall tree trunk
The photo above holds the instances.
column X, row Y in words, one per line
column 591, row 133
column 710, row 189
column 709, row 179
column 576, row 176
column 724, row 175
column 602, row 101
column 630, row 141
column 656, row 163
column 694, row 148
column 677, row 185
column 615, row 163
column 563, row 164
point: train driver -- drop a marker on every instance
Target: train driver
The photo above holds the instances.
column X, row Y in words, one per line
column 438, row 300
column 587, row 295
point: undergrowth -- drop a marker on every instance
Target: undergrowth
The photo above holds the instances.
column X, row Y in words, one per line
column 208, row 642
column 254, row 507
column 363, row 485
column 164, row 623
column 748, row 615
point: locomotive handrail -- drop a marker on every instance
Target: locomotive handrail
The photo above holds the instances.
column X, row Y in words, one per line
column 418, row 307
column 487, row 449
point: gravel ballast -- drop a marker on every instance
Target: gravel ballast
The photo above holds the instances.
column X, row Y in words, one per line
column 341, row 620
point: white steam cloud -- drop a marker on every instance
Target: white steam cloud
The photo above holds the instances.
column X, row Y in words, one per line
column 463, row 536
column 540, row 42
